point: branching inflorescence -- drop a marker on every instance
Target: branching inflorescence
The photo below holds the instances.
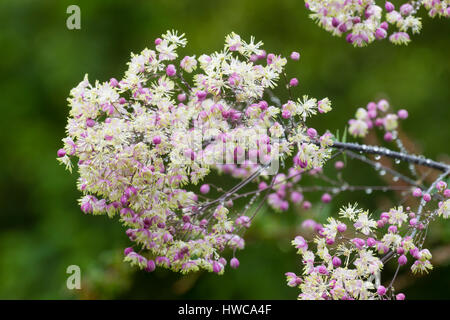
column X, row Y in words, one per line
column 364, row 21
column 141, row 141
column 143, row 144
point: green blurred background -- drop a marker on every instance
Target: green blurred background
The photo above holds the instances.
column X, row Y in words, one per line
column 42, row 230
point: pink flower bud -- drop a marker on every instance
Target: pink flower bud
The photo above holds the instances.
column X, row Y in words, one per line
column 402, row 114
column 263, row 105
column 201, row 95
column 127, row 251
column 217, row 267
column 379, row 122
column 388, row 136
column 343, row 27
column 400, row 296
column 427, row 197
column 392, row 229
column 234, row 263
column 311, row 132
column 223, row 261
column 389, row 6
column 380, row 33
column 262, row 185
column 335, row 22
column 307, row 205
column 296, row 197
column 406, row 9
column 190, row 154
column 371, row 242
column 90, row 123
column 441, row 185
column 339, row 165
column 372, row 113
column 359, row 243
column 286, row 114
column 150, row 266
column 113, row 82
column 309, row 224
column 381, row 248
column 322, row 270
column 124, row 200
column 167, row 237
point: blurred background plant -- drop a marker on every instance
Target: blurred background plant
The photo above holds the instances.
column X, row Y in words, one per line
column 42, row 230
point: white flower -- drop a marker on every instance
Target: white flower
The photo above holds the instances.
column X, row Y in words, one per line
column 324, row 105
column 358, row 128
column 306, row 107
column 166, row 50
column 188, row 64
column 444, row 209
column 367, row 264
column 364, row 224
column 390, row 122
column 173, row 37
column 392, row 240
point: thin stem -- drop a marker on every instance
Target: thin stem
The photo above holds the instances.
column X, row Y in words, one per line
column 391, row 154
column 374, row 164
column 423, row 202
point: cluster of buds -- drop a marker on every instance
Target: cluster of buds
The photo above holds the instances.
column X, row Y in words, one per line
column 364, row 21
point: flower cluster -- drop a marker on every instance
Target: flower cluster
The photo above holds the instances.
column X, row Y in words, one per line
column 347, row 263
column 144, row 141
column 364, row 21
column 376, row 115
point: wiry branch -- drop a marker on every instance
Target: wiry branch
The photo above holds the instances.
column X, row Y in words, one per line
column 391, row 154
